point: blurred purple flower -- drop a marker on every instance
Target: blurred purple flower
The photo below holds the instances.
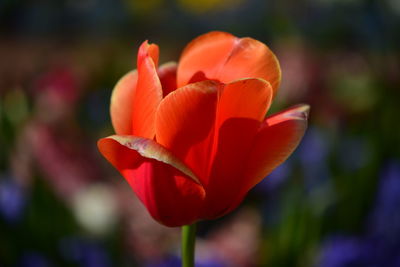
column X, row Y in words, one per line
column 85, row 252
column 12, row 200
column 34, row 259
column 210, row 263
column 275, row 178
column 313, row 149
column 170, row 261
column 175, row 261
column 384, row 221
column 346, row 251
column 341, row 251
column 381, row 245
column 312, row 153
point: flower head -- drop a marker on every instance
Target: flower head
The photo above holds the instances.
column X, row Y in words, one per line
column 191, row 138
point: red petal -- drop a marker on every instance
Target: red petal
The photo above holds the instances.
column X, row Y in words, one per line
column 148, row 93
column 224, row 57
column 276, row 140
column 241, row 108
column 185, row 123
column 121, row 103
column 167, row 187
column 167, row 75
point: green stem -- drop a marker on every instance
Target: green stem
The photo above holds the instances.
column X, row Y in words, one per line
column 188, row 244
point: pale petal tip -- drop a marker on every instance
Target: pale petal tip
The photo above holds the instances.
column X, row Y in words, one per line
column 299, row 112
column 152, row 150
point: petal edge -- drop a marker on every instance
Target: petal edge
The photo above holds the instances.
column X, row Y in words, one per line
column 277, row 138
column 122, row 102
column 169, row 189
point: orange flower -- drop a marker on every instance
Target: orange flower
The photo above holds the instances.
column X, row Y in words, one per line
column 191, row 139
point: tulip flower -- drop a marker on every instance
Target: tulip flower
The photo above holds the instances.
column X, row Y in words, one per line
column 192, row 138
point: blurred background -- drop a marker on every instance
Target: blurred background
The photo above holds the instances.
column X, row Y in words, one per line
column 335, row 202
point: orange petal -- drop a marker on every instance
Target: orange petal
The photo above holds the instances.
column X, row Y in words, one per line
column 251, row 58
column 276, row 140
column 166, row 186
column 124, row 92
column 146, row 50
column 185, row 122
column 121, row 103
column 148, row 93
column 241, row 108
column 224, row 57
column 245, row 98
column 167, row 74
column 205, row 54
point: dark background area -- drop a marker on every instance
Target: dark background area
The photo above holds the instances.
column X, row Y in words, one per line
column 335, row 202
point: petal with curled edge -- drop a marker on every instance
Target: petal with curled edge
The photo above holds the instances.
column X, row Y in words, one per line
column 148, row 93
column 185, row 123
column 204, row 56
column 224, row 57
column 241, row 108
column 165, row 185
column 277, row 138
column 252, row 59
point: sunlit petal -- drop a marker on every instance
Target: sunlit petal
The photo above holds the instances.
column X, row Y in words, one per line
column 242, row 106
column 148, row 93
column 167, row 187
column 122, row 102
column 185, row 123
column 224, row 57
column 276, row 140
